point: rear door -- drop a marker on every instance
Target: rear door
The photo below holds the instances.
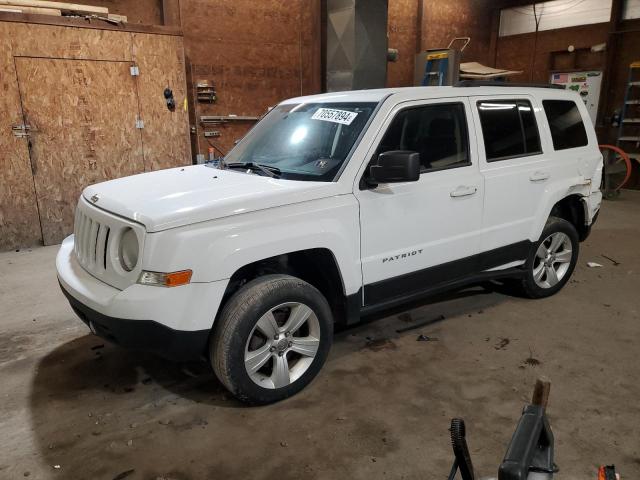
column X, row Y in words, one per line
column 516, row 167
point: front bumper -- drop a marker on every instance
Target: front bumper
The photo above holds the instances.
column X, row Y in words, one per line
column 144, row 335
column 172, row 322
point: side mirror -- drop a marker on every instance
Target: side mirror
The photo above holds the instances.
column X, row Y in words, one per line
column 396, row 166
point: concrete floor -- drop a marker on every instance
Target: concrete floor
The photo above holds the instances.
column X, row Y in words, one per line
column 74, row 407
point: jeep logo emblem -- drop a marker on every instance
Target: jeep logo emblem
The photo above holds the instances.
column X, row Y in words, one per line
column 401, row 256
column 94, row 198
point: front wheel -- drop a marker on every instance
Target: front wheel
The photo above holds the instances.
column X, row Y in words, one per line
column 552, row 259
column 271, row 339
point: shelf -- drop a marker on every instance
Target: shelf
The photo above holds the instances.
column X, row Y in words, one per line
column 227, row 118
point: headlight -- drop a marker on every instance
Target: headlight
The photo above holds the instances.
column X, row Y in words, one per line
column 129, row 248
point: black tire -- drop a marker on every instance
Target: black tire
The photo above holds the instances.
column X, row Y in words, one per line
column 236, row 324
column 529, row 287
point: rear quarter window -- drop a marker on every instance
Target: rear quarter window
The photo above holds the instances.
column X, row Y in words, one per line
column 565, row 121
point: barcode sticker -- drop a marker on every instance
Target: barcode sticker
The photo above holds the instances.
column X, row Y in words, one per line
column 336, row 116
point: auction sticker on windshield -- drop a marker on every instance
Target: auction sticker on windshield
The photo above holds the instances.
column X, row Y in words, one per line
column 336, row 116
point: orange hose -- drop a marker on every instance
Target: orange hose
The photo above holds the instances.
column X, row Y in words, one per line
column 626, row 159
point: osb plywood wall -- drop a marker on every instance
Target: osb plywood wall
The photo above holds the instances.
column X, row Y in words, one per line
column 74, row 141
column 74, row 87
column 256, row 53
column 19, row 223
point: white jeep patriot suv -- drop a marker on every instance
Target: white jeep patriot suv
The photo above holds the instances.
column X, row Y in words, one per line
column 332, row 207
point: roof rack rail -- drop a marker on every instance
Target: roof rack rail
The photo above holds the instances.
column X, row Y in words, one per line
column 489, row 83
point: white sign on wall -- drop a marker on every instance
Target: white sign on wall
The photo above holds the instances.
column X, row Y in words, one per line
column 554, row 14
column 587, row 84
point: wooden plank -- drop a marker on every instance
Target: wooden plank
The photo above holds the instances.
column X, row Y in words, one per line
column 63, row 6
column 88, row 25
column 117, row 18
column 19, row 224
column 82, row 114
column 541, row 391
column 165, row 136
column 36, row 10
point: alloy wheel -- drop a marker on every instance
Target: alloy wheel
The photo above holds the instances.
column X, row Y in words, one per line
column 282, row 345
column 552, row 260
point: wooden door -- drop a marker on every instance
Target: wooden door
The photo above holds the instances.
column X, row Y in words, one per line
column 82, row 117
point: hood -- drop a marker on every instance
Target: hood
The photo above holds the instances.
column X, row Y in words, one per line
column 181, row 196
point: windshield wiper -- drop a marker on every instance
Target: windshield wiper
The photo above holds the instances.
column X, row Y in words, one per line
column 273, row 172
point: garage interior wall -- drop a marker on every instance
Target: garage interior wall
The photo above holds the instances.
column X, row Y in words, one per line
column 254, row 53
column 258, row 53
column 72, row 114
column 622, row 36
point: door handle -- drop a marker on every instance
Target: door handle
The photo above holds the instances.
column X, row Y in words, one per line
column 539, row 176
column 464, row 191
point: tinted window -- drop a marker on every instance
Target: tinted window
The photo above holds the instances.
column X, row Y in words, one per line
column 437, row 132
column 530, row 128
column 509, row 129
column 567, row 129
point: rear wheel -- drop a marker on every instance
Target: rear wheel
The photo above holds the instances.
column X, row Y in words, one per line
column 552, row 259
column 271, row 339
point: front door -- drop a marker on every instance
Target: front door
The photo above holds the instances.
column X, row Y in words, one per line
column 420, row 234
column 82, row 130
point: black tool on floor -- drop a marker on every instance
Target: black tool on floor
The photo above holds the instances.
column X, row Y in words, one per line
column 530, row 452
column 462, row 460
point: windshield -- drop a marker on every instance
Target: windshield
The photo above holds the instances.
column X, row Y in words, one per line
column 305, row 141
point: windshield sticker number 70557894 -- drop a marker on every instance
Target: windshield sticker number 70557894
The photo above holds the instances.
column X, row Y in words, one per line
column 336, row 116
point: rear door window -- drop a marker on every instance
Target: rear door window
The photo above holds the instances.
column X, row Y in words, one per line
column 509, row 129
column 565, row 121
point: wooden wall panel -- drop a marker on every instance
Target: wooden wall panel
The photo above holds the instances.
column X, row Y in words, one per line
column 19, row 225
column 82, row 102
column 165, row 136
column 83, row 131
column 77, row 43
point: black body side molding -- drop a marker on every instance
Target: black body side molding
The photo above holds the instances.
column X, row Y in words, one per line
column 445, row 276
